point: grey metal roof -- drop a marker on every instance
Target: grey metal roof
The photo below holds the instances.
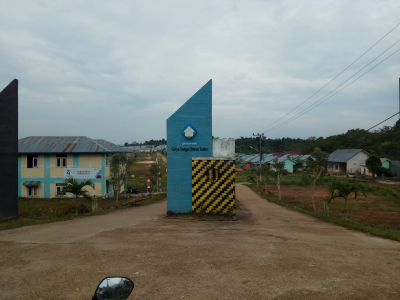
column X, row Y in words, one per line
column 342, row 155
column 142, row 147
column 301, row 157
column 285, row 157
column 161, row 147
column 65, row 144
column 110, row 146
column 364, row 164
column 254, row 158
column 304, row 157
column 31, row 183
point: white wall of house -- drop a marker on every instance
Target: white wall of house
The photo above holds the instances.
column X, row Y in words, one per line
column 354, row 163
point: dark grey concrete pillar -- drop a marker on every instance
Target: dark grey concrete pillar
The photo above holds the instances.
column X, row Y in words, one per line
column 9, row 151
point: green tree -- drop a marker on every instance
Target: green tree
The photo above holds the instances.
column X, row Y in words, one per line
column 266, row 174
column 120, row 166
column 332, row 194
column 278, row 171
column 154, row 174
column 298, row 163
column 374, row 164
column 317, row 166
column 75, row 187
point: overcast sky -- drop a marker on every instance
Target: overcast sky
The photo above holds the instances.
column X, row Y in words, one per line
column 117, row 70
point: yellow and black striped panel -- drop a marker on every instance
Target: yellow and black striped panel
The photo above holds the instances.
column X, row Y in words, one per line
column 213, row 196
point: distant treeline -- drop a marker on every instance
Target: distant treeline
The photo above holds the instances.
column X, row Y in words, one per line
column 383, row 142
column 151, row 142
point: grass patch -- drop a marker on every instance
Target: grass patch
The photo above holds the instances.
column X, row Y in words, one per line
column 381, row 230
column 385, row 192
column 35, row 211
column 293, row 179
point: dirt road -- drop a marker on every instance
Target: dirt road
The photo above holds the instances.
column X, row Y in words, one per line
column 269, row 253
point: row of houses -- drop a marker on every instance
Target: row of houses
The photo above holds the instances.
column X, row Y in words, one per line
column 146, row 148
column 342, row 160
column 253, row 160
column 45, row 161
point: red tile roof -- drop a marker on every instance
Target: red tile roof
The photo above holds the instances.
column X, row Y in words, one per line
column 280, row 154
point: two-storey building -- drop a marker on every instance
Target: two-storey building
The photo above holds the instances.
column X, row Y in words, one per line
column 45, row 161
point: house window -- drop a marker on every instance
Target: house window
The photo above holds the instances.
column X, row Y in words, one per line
column 61, row 160
column 107, row 160
column 336, row 167
column 32, row 191
column 32, row 161
column 59, row 189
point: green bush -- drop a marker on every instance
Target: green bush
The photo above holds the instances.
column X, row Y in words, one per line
column 385, row 192
column 385, row 172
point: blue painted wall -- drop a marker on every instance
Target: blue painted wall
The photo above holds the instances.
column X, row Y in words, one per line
column 47, row 175
column 197, row 111
column 103, row 173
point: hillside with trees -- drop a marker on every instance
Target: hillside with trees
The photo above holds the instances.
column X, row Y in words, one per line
column 151, row 142
column 383, row 142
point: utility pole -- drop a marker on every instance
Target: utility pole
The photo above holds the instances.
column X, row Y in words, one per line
column 260, row 135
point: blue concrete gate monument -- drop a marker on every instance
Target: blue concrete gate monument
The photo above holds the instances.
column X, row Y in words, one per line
column 189, row 134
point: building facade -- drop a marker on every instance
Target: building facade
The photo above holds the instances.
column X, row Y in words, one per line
column 44, row 162
column 201, row 171
column 347, row 160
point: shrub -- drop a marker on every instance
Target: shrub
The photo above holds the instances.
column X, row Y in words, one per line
column 386, row 192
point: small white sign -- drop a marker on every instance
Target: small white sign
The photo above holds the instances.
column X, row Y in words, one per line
column 83, row 173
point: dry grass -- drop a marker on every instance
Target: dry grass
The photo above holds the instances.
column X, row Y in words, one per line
column 377, row 214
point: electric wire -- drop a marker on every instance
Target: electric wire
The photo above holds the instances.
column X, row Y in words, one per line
column 376, row 125
column 319, row 101
column 334, row 77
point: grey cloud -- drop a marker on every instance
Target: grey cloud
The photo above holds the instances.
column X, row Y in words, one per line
column 118, row 70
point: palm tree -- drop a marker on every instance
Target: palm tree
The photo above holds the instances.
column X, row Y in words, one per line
column 75, row 187
column 345, row 189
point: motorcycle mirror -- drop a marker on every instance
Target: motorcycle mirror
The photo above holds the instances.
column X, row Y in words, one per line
column 114, row 288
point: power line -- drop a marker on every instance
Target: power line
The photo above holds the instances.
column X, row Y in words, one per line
column 315, row 104
column 377, row 124
column 335, row 76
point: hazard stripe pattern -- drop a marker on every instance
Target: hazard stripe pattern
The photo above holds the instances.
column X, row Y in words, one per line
column 216, row 197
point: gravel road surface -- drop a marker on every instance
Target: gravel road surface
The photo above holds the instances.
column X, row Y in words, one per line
column 269, row 253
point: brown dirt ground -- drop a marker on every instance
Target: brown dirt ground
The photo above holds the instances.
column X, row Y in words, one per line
column 389, row 182
column 269, row 253
column 372, row 208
